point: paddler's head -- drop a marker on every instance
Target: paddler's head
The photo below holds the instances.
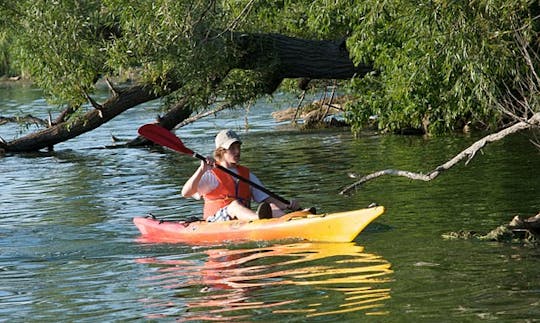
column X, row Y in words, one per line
column 228, row 145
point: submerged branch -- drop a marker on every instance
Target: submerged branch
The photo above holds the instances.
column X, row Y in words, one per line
column 468, row 154
column 520, row 230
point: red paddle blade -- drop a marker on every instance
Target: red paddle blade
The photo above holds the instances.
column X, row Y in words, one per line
column 164, row 137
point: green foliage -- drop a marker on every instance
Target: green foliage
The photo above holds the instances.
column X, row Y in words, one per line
column 56, row 44
column 67, row 45
column 161, row 38
column 440, row 64
column 5, row 40
column 320, row 19
column 5, row 66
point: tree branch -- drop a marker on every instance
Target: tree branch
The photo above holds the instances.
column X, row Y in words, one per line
column 65, row 115
column 111, row 87
column 290, row 57
column 275, row 56
column 202, row 115
column 94, row 103
column 26, row 119
column 468, row 154
column 63, row 131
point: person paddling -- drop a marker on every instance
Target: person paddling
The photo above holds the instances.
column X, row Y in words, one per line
column 226, row 198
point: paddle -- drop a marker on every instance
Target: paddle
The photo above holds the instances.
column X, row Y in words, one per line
column 164, row 137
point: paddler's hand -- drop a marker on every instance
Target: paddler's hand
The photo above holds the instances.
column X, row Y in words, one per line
column 294, row 205
column 208, row 164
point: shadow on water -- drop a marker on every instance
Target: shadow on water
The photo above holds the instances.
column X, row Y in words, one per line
column 280, row 282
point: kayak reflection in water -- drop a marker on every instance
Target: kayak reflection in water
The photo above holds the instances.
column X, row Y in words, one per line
column 225, row 197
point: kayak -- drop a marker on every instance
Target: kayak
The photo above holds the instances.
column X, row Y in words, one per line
column 301, row 225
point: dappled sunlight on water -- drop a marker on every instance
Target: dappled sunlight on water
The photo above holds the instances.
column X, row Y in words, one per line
column 307, row 279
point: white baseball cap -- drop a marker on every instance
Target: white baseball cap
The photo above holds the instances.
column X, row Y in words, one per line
column 225, row 138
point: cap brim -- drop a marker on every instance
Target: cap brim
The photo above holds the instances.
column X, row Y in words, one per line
column 227, row 144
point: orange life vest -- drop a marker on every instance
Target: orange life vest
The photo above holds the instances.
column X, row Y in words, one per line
column 227, row 191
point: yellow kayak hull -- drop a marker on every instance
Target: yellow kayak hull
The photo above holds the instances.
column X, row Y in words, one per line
column 301, row 225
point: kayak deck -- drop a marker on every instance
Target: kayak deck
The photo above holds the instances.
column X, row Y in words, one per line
column 302, row 225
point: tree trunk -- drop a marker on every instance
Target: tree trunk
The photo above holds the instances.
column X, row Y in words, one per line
column 277, row 56
column 298, row 58
column 178, row 113
column 61, row 132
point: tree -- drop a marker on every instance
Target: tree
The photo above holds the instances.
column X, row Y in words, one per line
column 172, row 47
column 435, row 65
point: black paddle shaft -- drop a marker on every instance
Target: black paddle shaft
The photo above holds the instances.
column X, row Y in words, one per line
column 257, row 186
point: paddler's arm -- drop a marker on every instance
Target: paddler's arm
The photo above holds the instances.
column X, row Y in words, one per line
column 191, row 186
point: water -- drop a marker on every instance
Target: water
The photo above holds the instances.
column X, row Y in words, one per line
column 69, row 251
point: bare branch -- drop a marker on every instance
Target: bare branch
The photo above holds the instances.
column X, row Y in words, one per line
column 299, row 106
column 468, row 154
column 111, row 87
column 234, row 24
column 329, row 104
column 28, row 119
column 202, row 115
column 96, row 105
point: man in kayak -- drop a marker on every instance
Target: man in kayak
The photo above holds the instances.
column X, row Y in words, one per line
column 225, row 197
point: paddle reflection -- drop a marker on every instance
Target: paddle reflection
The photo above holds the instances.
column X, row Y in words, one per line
column 275, row 282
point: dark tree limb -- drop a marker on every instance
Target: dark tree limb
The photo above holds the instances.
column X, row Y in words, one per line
column 63, row 131
column 276, row 56
column 179, row 112
column 292, row 57
column 64, row 116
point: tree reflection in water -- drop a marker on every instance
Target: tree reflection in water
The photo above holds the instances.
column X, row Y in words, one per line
column 308, row 279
